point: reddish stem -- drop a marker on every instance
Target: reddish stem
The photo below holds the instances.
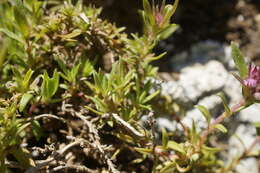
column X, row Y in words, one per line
column 218, row 120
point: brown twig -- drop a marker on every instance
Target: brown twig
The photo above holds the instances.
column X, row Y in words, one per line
column 45, row 116
column 93, row 133
column 76, row 168
column 54, row 157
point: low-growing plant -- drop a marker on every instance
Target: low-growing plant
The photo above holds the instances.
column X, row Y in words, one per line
column 69, row 78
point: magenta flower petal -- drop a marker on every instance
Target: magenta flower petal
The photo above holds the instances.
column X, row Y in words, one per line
column 252, row 83
column 253, row 80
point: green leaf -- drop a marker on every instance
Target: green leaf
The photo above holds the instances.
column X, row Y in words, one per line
column 12, row 35
column 62, row 65
column 156, row 57
column 29, row 4
column 49, row 85
column 24, row 101
column 100, row 105
column 204, row 112
column 175, row 5
column 166, row 32
column 150, row 97
column 27, row 78
column 193, row 133
column 210, row 149
column 88, row 68
column 175, row 146
column 169, row 167
column 95, row 111
column 147, row 8
column 23, row 157
column 37, row 130
column 221, row 128
column 224, row 101
column 183, row 169
column 239, row 61
column 144, row 150
column 3, row 52
column 69, row 36
column 53, row 84
column 21, row 20
column 17, row 74
column 169, row 10
column 165, row 137
column 45, row 83
column 74, row 72
column 257, row 126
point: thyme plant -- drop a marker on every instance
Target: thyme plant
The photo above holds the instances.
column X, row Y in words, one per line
column 73, row 88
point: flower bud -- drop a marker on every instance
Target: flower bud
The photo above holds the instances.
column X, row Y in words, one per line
column 252, row 82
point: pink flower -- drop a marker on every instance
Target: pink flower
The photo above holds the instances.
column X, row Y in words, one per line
column 159, row 18
column 253, row 80
column 159, row 14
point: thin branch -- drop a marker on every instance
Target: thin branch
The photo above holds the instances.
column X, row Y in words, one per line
column 96, row 141
column 218, row 120
column 55, row 156
column 46, row 116
column 12, row 164
column 76, row 168
column 128, row 126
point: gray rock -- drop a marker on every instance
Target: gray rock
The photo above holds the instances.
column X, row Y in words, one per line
column 200, row 80
column 248, row 165
column 233, row 89
column 247, row 135
column 163, row 122
column 203, row 52
column 251, row 114
column 195, row 82
column 212, row 103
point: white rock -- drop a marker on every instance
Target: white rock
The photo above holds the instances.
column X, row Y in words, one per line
column 233, row 89
column 196, row 116
column 247, row 133
column 212, row 103
column 195, row 82
column 249, row 165
column 227, row 59
column 166, row 123
column 199, row 80
column 251, row 114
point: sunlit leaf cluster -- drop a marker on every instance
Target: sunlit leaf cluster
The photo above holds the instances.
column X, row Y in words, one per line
column 59, row 60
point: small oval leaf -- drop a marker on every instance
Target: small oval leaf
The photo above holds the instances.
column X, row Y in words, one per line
column 225, row 103
column 24, row 101
column 221, row 128
column 175, row 146
column 239, row 60
column 204, row 112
